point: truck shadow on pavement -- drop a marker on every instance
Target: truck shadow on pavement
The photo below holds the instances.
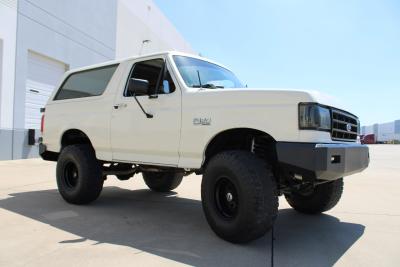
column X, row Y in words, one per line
column 175, row 228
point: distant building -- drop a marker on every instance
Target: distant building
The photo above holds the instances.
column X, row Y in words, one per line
column 41, row 39
column 384, row 132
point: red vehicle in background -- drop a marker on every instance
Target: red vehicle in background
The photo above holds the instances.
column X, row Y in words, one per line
column 368, row 139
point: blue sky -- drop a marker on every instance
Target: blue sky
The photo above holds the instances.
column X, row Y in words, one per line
column 347, row 49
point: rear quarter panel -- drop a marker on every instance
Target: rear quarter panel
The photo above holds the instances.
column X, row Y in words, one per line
column 90, row 115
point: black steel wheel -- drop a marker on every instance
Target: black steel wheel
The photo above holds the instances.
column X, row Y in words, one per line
column 71, row 175
column 226, row 198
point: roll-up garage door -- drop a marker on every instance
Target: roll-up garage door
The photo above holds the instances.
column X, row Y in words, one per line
column 44, row 75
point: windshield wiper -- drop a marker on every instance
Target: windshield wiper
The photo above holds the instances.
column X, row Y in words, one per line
column 212, row 86
column 207, row 85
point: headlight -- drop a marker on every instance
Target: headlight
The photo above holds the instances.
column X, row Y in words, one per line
column 312, row 116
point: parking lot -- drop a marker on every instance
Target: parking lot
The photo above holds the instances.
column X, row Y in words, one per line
column 130, row 225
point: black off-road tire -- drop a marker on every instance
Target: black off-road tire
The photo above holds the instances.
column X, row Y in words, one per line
column 323, row 198
column 162, row 181
column 124, row 177
column 247, row 180
column 79, row 176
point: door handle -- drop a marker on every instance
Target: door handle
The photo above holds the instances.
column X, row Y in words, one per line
column 119, row 106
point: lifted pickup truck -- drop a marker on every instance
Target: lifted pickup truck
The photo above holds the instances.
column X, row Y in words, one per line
column 170, row 114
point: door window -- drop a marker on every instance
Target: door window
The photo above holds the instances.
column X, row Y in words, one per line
column 152, row 71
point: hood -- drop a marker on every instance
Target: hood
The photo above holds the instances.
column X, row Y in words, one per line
column 264, row 96
column 306, row 96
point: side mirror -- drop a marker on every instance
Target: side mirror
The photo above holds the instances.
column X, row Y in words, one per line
column 138, row 87
column 166, row 88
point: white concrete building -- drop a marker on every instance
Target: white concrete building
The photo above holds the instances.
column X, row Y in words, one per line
column 384, row 132
column 41, row 39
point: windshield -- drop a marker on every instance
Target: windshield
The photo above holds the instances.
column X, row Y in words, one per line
column 199, row 73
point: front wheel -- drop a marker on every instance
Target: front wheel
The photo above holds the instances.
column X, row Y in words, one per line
column 239, row 197
column 322, row 198
column 162, row 181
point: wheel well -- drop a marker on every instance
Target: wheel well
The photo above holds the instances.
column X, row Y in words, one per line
column 258, row 142
column 73, row 137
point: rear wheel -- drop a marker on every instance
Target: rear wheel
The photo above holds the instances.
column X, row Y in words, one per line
column 79, row 177
column 162, row 181
column 239, row 196
column 322, row 198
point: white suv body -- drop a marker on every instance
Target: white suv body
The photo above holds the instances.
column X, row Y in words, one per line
column 272, row 111
column 183, row 121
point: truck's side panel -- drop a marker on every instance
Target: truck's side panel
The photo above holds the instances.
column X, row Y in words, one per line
column 223, row 109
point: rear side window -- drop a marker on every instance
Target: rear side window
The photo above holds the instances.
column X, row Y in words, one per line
column 86, row 83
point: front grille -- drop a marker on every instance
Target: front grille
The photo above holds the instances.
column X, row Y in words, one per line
column 344, row 126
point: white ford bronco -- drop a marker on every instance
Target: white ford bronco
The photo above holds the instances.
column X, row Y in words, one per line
column 170, row 114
